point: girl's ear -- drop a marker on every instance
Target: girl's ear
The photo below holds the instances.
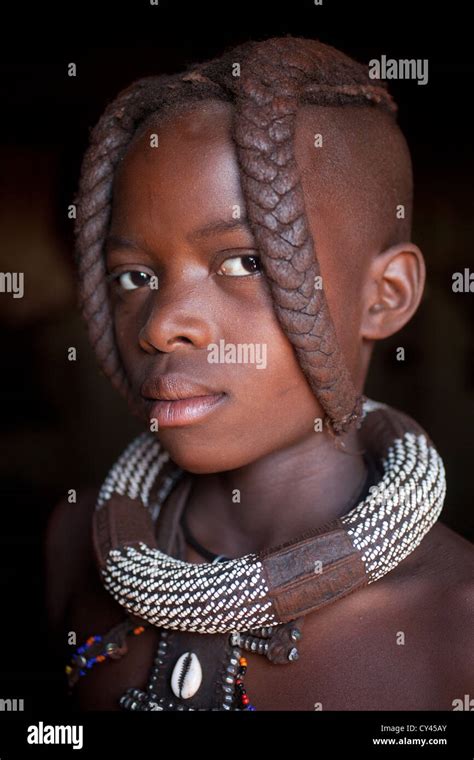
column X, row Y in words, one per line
column 392, row 290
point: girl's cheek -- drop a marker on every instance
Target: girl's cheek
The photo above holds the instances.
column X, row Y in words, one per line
column 127, row 325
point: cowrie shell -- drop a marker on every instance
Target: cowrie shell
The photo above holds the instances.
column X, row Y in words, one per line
column 186, row 676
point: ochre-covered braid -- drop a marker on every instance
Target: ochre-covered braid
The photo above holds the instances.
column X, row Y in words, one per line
column 276, row 76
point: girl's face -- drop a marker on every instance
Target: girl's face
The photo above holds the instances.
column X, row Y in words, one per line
column 185, row 277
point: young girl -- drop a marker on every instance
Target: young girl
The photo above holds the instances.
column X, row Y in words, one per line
column 243, row 240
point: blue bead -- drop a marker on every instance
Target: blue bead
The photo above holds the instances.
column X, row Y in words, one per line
column 81, row 650
column 250, row 707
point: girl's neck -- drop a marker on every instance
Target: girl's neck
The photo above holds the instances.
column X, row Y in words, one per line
column 281, row 496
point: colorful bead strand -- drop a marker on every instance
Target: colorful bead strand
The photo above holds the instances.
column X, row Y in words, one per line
column 245, row 703
column 81, row 663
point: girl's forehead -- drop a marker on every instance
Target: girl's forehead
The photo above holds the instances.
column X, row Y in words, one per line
column 183, row 174
column 180, row 143
column 187, row 117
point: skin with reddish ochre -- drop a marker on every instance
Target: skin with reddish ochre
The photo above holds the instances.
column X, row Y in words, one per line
column 261, row 439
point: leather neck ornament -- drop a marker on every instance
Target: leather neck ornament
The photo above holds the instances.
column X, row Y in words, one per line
column 282, row 583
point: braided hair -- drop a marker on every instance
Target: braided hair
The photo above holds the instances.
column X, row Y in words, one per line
column 276, row 76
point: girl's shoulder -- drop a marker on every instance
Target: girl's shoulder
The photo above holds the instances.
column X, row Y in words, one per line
column 67, row 551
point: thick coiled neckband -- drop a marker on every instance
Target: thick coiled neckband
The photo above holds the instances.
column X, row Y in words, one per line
column 281, row 583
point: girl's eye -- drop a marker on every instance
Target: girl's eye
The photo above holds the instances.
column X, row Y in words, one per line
column 233, row 268
column 130, row 280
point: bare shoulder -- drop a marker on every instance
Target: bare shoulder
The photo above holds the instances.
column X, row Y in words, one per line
column 451, row 557
column 458, row 549
column 438, row 578
column 67, row 551
column 450, row 563
column 441, row 570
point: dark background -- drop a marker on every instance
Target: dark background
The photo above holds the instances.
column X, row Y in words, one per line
column 62, row 425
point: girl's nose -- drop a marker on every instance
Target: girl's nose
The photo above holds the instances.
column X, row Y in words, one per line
column 176, row 322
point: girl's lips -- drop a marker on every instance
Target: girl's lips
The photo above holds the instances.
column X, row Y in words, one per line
column 185, row 411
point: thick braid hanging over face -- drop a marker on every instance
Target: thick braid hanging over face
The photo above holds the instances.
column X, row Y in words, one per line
column 273, row 78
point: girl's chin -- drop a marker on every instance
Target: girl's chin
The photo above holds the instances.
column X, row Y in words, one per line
column 191, row 456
